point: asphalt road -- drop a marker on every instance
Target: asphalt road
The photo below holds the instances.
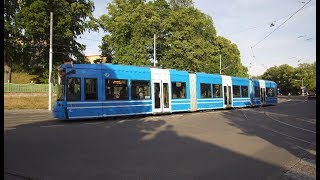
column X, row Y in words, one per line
column 273, row 142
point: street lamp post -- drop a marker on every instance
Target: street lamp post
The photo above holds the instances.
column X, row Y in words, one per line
column 278, row 90
column 154, row 50
column 50, row 63
column 220, row 63
column 303, row 88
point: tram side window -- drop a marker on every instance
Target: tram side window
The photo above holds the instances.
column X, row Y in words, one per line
column 270, row 92
column 236, row 91
column 217, row 90
column 140, row 89
column 178, row 90
column 205, row 90
column 116, row 89
column 257, row 91
column 90, row 89
column 244, row 90
column 73, row 89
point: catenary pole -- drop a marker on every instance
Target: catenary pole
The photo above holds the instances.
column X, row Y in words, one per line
column 50, row 62
column 154, row 50
column 220, row 63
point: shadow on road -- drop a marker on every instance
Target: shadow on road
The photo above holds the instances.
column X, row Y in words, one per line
column 130, row 149
column 296, row 141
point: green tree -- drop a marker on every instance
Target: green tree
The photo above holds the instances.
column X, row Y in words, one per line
column 70, row 19
column 11, row 46
column 289, row 79
column 186, row 37
column 230, row 58
column 283, row 76
column 305, row 72
column 131, row 25
column 189, row 41
column 177, row 4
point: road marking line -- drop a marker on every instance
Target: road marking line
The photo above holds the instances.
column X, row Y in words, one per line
column 10, row 128
column 305, row 120
column 26, row 120
column 57, row 125
column 281, row 133
column 289, row 136
column 298, row 147
column 213, row 112
column 286, row 115
column 93, row 123
column 28, row 116
column 290, row 124
column 179, row 115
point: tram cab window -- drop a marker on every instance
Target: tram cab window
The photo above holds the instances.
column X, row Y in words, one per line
column 90, row 90
column 270, row 92
column 257, row 91
column 73, row 89
column 236, row 91
column 205, row 90
column 217, row 90
column 140, row 89
column 244, row 91
column 178, row 90
column 116, row 89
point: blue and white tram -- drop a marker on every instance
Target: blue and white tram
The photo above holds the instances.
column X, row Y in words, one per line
column 105, row 90
column 271, row 91
column 240, row 88
column 263, row 92
column 208, row 91
column 255, row 94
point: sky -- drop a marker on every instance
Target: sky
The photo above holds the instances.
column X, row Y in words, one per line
column 247, row 23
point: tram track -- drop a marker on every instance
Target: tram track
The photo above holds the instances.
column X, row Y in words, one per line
column 289, row 124
column 308, row 120
column 304, row 166
column 19, row 175
column 283, row 123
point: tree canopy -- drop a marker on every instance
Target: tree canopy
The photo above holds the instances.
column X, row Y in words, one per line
column 30, row 32
column 186, row 38
column 11, row 47
column 289, row 79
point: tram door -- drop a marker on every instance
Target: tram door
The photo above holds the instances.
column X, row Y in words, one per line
column 262, row 92
column 227, row 96
column 161, row 97
column 263, row 95
column 160, row 90
column 227, row 91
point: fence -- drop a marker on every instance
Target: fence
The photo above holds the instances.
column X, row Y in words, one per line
column 28, row 88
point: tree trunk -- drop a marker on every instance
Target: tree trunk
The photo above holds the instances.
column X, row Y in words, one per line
column 7, row 70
